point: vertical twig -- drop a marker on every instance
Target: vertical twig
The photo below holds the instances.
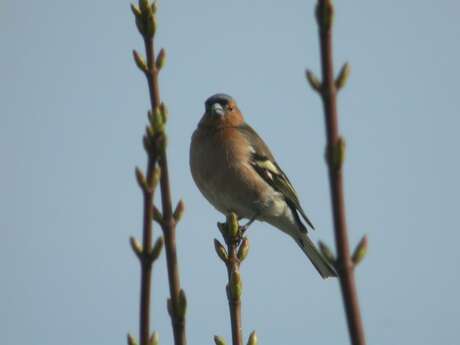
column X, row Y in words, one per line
column 233, row 291
column 335, row 152
column 237, row 250
column 155, row 145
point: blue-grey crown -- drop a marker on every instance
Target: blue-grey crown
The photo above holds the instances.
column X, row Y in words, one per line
column 220, row 98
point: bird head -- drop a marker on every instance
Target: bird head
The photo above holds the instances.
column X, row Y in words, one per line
column 221, row 111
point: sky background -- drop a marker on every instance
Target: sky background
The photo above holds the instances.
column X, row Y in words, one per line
column 72, row 113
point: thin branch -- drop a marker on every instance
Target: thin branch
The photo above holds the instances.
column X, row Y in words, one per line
column 146, row 264
column 234, row 300
column 155, row 145
column 237, row 250
column 177, row 296
column 335, row 156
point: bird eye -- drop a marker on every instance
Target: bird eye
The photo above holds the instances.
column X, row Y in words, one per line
column 229, row 108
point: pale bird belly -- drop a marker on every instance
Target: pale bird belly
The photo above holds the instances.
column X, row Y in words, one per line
column 234, row 191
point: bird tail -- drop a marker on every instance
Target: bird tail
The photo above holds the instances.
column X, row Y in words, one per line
column 323, row 267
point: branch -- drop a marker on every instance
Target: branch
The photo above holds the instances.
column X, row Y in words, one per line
column 237, row 250
column 335, row 153
column 157, row 171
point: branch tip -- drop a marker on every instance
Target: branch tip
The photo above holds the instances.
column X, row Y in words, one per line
column 325, row 14
column 144, row 6
column 151, row 22
column 233, row 226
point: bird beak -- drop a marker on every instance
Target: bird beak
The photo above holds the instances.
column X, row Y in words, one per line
column 217, row 109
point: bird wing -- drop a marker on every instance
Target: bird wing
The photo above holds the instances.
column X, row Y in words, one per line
column 265, row 165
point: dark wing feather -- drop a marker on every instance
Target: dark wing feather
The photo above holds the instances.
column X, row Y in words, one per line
column 265, row 165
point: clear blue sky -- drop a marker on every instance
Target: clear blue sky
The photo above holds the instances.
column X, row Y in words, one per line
column 73, row 110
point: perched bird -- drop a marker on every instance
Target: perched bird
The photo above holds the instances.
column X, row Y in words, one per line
column 236, row 172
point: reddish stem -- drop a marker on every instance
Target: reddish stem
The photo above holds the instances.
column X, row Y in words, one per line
column 328, row 93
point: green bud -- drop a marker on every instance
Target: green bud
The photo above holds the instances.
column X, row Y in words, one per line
column 233, row 225
column 253, row 338
column 360, row 251
column 219, row 340
column 158, row 122
column 156, row 176
column 144, row 6
column 161, row 59
column 158, row 216
column 327, row 253
column 156, row 250
column 139, row 61
column 154, row 339
column 182, row 303
column 151, row 22
column 169, row 307
column 136, row 246
column 336, row 154
column 220, row 250
column 140, row 25
column 136, row 11
column 179, row 211
column 131, row 340
column 313, row 81
column 150, row 117
column 146, row 143
column 343, row 76
column 324, row 14
column 164, row 112
column 243, row 250
column 154, row 7
column 162, row 140
column 149, row 131
column 141, row 179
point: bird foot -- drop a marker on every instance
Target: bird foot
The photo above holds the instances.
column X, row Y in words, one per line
column 245, row 227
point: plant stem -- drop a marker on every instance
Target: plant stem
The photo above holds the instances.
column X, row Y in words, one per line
column 146, row 263
column 169, row 223
column 234, row 301
column 169, row 231
column 328, row 95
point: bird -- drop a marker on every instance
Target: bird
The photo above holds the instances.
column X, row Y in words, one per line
column 236, row 172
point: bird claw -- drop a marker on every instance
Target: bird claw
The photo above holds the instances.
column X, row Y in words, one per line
column 246, row 226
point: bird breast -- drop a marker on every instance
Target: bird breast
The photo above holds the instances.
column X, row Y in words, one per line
column 220, row 165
